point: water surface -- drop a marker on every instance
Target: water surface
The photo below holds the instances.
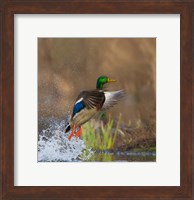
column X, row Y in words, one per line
column 54, row 146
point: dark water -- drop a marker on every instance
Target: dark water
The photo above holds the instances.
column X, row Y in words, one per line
column 119, row 156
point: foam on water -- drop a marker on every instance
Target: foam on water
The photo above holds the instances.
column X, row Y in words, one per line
column 54, row 145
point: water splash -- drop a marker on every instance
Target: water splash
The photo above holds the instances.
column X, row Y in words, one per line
column 54, row 146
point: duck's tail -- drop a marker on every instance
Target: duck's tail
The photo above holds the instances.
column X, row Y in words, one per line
column 67, row 123
column 67, row 127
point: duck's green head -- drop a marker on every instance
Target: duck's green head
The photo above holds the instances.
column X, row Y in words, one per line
column 102, row 80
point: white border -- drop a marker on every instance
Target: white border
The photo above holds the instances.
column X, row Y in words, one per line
column 166, row 171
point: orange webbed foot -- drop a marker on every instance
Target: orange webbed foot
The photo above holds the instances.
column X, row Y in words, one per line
column 72, row 132
column 79, row 132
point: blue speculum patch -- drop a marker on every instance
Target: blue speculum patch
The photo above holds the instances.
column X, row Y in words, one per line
column 78, row 107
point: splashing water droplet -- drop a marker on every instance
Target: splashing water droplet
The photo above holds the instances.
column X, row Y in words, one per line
column 54, row 145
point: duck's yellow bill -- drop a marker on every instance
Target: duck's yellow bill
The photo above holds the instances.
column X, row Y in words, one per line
column 111, row 80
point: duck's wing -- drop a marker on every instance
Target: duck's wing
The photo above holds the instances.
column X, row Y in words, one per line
column 111, row 98
column 93, row 99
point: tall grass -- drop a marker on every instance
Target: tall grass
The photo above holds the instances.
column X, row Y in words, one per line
column 99, row 135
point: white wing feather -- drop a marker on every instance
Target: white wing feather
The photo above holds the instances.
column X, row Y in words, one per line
column 111, row 98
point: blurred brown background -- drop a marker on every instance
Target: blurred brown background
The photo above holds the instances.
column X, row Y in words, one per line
column 68, row 65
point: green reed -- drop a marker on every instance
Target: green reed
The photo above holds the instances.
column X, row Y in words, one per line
column 100, row 135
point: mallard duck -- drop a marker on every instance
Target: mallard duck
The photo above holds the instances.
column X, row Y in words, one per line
column 89, row 103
